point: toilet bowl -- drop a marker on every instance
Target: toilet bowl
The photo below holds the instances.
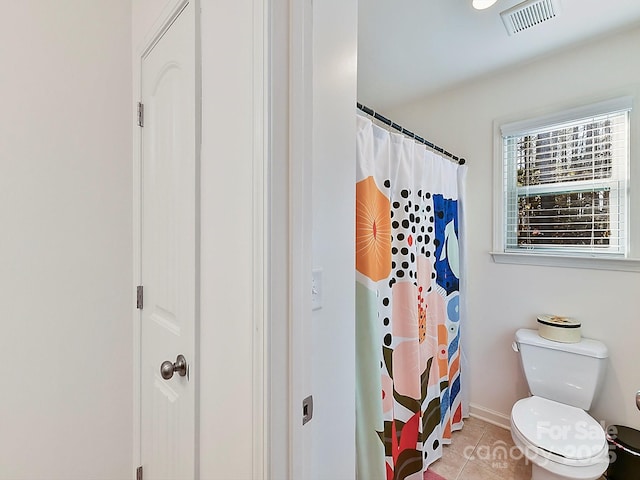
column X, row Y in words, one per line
column 552, row 427
column 561, row 441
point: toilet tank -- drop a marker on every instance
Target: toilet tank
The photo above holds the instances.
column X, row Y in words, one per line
column 569, row 373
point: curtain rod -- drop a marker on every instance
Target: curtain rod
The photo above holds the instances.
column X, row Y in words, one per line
column 404, row 131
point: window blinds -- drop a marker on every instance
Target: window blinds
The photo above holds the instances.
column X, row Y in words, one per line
column 566, row 185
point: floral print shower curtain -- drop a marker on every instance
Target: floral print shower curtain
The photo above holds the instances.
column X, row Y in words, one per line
column 408, row 271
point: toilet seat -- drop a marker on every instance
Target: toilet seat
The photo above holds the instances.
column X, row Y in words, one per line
column 561, row 433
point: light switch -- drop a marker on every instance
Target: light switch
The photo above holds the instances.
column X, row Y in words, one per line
column 316, row 289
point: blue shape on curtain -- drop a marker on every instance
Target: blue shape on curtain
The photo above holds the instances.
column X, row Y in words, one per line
column 445, row 212
column 455, row 388
column 453, row 347
column 445, row 404
column 453, row 308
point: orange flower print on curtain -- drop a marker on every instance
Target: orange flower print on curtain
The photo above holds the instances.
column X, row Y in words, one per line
column 373, row 231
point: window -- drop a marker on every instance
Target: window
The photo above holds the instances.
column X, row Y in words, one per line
column 565, row 182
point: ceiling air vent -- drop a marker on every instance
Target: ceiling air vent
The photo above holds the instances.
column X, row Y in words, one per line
column 528, row 14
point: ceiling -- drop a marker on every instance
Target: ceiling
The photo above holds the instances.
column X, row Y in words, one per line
column 412, row 48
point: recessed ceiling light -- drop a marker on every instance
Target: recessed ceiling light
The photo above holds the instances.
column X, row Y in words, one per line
column 482, row 4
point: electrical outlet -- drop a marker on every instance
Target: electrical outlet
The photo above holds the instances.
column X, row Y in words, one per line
column 316, row 289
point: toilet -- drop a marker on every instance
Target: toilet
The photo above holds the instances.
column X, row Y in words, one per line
column 551, row 427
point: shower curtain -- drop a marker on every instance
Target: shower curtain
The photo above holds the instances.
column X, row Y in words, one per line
column 408, row 304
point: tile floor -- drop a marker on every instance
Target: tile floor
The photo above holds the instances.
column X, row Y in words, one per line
column 482, row 451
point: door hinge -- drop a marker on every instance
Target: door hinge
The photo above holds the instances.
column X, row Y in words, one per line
column 139, row 297
column 140, row 114
column 139, row 473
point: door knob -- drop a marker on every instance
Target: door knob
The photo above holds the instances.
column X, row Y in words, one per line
column 167, row 369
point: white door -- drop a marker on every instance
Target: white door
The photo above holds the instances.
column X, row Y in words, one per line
column 168, row 253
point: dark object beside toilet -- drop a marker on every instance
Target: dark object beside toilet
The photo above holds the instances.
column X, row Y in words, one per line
column 624, row 444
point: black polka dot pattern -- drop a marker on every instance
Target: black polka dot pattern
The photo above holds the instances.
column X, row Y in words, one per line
column 412, row 216
column 412, row 213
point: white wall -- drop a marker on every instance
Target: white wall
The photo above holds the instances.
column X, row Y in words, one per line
column 65, row 241
column 503, row 298
column 333, row 217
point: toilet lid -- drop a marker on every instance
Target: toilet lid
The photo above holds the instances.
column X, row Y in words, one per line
column 560, row 429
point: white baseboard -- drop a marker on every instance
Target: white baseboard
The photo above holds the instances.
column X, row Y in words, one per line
column 490, row 416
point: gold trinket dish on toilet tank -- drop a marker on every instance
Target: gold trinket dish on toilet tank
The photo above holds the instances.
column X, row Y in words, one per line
column 559, row 329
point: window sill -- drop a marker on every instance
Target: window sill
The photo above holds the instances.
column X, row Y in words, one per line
column 616, row 264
